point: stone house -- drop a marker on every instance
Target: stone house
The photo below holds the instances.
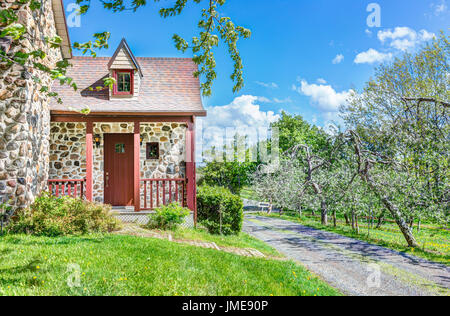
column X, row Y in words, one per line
column 134, row 149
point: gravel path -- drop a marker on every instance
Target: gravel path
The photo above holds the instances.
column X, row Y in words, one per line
column 355, row 267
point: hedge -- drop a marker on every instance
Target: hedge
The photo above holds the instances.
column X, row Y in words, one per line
column 220, row 211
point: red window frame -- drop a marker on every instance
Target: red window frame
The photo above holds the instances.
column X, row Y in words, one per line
column 115, row 90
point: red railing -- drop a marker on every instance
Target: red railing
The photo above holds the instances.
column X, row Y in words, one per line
column 72, row 188
column 157, row 192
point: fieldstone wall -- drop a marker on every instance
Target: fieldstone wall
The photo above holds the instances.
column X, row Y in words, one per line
column 67, row 151
column 24, row 110
column 172, row 150
column 68, row 156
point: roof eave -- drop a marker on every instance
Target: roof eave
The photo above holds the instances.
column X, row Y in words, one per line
column 61, row 28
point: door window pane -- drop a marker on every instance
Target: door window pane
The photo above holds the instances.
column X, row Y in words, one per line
column 120, row 148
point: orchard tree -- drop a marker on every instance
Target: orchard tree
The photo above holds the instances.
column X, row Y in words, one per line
column 310, row 179
column 294, row 130
column 229, row 167
column 399, row 126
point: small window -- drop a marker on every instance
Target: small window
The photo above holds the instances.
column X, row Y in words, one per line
column 120, row 148
column 152, row 150
column 124, row 82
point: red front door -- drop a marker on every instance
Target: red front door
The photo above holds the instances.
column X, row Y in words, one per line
column 118, row 168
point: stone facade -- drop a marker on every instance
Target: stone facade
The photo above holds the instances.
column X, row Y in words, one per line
column 68, row 157
column 67, row 151
column 24, row 111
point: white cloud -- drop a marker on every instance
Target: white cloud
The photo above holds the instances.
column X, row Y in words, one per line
column 403, row 44
column 424, row 35
column 264, row 99
column 439, row 8
column 324, row 96
column 404, row 38
column 274, row 100
column 321, row 81
column 338, row 59
column 398, row 32
column 368, row 32
column 371, row 56
column 243, row 114
column 286, row 100
column 270, row 85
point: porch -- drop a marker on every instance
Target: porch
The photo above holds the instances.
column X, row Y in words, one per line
column 137, row 163
column 153, row 192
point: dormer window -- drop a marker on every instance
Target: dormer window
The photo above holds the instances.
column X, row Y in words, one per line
column 124, row 82
column 123, row 66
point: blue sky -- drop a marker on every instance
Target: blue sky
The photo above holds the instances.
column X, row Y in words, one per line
column 289, row 58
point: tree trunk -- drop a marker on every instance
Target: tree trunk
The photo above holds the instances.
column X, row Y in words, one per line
column 347, row 220
column 418, row 226
column 313, row 213
column 353, row 220
column 411, row 223
column 357, row 224
column 334, row 219
column 380, row 220
column 404, row 228
column 270, row 208
column 324, row 213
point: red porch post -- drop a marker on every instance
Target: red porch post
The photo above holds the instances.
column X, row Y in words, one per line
column 190, row 168
column 89, row 160
column 137, row 166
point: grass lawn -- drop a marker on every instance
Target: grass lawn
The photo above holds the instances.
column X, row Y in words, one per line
column 126, row 265
column 434, row 241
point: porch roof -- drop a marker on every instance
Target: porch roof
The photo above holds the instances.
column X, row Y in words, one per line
column 167, row 86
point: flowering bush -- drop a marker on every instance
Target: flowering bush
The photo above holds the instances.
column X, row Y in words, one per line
column 57, row 216
column 168, row 217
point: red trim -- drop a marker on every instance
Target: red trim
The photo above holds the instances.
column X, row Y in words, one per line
column 131, row 92
column 176, row 192
column 190, row 169
column 74, row 187
column 120, row 119
column 89, row 160
column 137, row 166
column 130, row 114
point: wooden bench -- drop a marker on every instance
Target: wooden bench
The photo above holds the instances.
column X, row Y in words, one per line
column 265, row 207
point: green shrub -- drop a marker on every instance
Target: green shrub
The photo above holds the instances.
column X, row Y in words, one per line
column 58, row 216
column 220, row 211
column 168, row 217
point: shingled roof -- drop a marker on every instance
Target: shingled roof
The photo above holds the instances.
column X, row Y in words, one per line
column 167, row 86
